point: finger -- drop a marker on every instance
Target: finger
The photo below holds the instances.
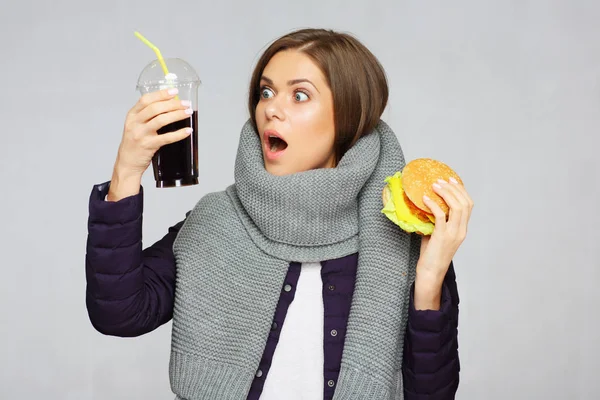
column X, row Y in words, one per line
column 161, row 107
column 165, row 119
column 458, row 194
column 464, row 202
column 468, row 200
column 152, row 97
column 171, row 137
column 464, row 192
column 438, row 213
column 456, row 209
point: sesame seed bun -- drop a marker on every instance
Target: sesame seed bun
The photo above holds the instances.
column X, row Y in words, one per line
column 418, row 177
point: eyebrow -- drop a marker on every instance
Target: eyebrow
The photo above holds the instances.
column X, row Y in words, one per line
column 291, row 82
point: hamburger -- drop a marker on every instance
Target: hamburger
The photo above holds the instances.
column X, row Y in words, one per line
column 403, row 194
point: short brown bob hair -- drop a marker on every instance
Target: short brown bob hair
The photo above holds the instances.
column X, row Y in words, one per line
column 354, row 75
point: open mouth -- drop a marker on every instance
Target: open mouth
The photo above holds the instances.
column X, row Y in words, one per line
column 276, row 144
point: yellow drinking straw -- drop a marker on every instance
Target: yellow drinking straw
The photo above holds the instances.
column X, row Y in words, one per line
column 156, row 50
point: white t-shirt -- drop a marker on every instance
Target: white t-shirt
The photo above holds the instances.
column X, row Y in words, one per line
column 297, row 369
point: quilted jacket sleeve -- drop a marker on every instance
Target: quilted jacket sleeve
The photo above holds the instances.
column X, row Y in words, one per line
column 130, row 290
column 431, row 363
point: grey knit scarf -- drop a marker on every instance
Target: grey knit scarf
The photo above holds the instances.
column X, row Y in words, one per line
column 234, row 250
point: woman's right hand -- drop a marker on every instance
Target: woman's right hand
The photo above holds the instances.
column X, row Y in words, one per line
column 140, row 138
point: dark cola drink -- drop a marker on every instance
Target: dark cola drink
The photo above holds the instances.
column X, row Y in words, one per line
column 176, row 164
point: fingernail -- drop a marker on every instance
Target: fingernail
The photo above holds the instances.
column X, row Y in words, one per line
column 189, row 111
column 435, row 185
column 173, row 91
column 453, row 180
column 186, row 103
column 426, row 198
column 443, row 182
column 189, row 130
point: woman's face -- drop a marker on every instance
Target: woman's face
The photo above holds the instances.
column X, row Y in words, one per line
column 294, row 115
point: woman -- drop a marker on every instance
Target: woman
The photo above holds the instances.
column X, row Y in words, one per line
column 290, row 283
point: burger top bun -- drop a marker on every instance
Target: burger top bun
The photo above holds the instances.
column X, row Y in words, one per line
column 418, row 177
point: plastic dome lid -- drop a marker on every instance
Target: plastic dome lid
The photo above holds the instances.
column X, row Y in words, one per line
column 180, row 72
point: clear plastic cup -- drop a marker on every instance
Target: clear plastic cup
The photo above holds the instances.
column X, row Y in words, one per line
column 175, row 164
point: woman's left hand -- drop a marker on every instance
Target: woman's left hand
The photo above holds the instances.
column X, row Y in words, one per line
column 438, row 250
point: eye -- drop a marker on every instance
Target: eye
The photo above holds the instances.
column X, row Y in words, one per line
column 301, row 96
column 266, row 93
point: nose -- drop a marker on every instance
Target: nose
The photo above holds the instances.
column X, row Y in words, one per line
column 273, row 110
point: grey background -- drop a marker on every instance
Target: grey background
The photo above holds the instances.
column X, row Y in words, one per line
column 506, row 92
